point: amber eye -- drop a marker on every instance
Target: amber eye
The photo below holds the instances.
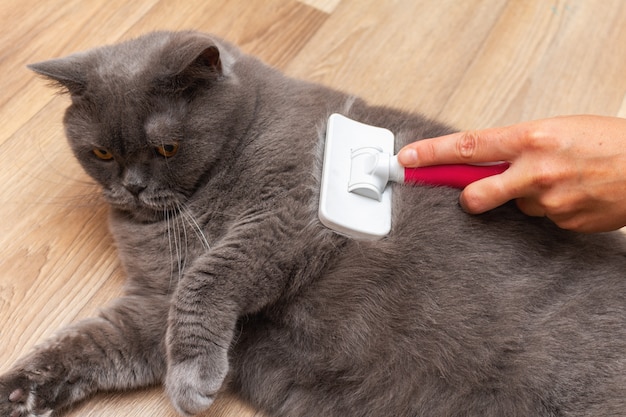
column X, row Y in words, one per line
column 103, row 154
column 167, row 150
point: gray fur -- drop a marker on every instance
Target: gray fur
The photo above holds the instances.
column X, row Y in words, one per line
column 234, row 284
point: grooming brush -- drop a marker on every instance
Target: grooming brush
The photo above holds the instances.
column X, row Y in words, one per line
column 359, row 163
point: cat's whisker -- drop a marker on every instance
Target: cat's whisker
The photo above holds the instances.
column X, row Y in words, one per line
column 195, row 226
column 178, row 245
column 178, row 239
column 169, row 239
column 183, row 261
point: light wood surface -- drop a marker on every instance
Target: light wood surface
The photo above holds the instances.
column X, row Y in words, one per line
column 472, row 63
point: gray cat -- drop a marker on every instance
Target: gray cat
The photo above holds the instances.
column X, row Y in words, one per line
column 210, row 161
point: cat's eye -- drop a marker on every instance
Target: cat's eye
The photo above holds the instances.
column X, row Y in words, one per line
column 167, row 150
column 103, row 154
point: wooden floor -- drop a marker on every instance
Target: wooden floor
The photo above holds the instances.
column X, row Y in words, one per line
column 473, row 63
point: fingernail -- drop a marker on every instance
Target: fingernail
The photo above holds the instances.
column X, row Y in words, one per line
column 407, row 156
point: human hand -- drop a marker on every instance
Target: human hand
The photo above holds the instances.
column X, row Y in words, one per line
column 571, row 169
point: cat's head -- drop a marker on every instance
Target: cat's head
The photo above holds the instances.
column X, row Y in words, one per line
column 149, row 117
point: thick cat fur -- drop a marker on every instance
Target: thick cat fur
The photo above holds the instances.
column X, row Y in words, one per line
column 233, row 283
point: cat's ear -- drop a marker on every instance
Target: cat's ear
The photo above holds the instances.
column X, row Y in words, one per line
column 206, row 61
column 63, row 72
column 195, row 61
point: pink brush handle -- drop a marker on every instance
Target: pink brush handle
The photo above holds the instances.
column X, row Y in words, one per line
column 457, row 176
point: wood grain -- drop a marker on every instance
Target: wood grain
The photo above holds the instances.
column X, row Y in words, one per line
column 475, row 63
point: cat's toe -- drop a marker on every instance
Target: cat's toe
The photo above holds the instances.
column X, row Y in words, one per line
column 20, row 401
column 193, row 385
column 17, row 395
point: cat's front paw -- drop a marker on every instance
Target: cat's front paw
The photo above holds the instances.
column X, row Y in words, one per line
column 192, row 385
column 19, row 398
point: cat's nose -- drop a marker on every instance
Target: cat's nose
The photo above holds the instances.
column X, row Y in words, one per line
column 135, row 189
column 133, row 179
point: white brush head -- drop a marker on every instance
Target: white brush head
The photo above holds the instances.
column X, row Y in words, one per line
column 354, row 215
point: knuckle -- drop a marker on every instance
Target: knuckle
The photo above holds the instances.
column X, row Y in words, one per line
column 467, row 145
column 574, row 223
column 559, row 206
column 530, row 207
column 535, row 139
column 553, row 207
column 540, row 137
column 571, row 224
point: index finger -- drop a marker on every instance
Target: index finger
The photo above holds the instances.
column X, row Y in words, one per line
column 476, row 146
